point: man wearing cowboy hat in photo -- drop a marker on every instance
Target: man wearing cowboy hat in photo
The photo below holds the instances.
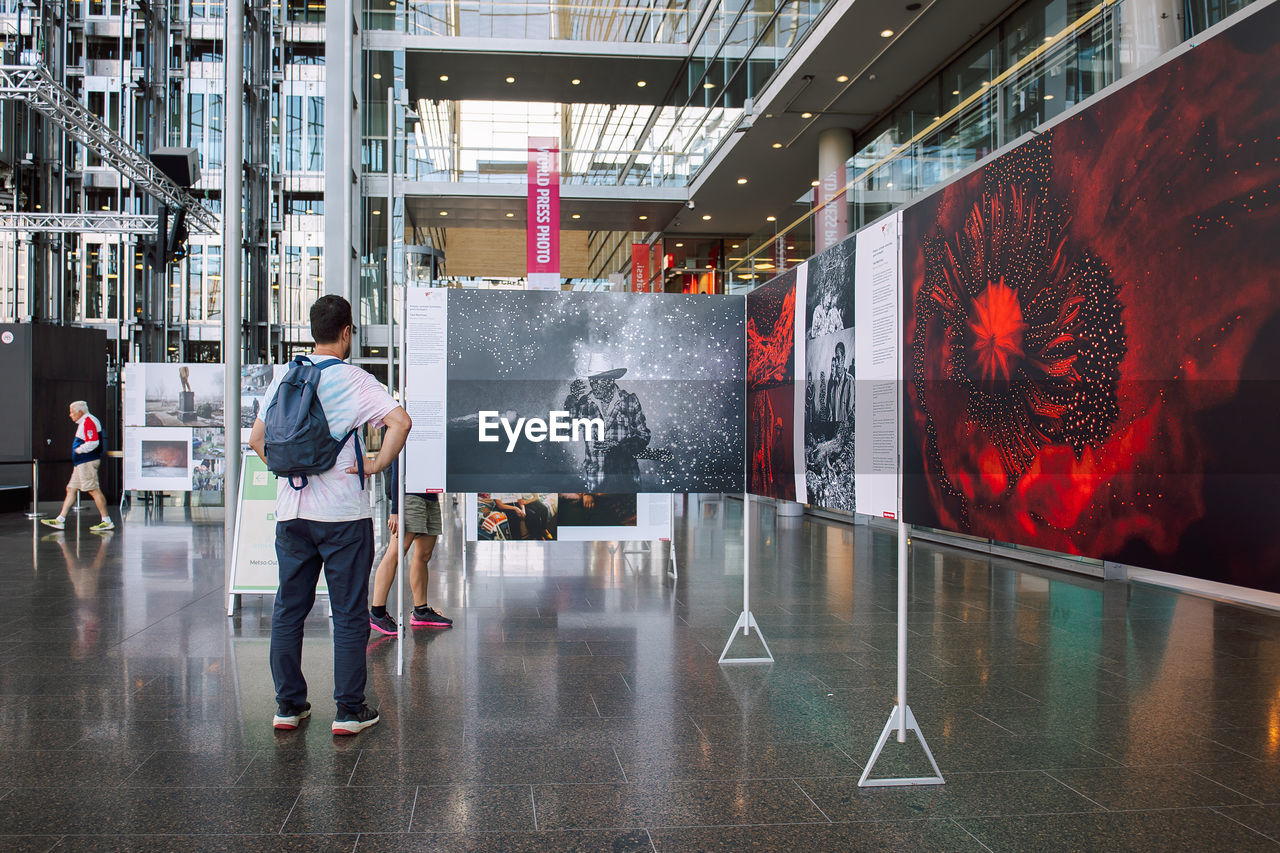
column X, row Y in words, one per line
column 610, row 465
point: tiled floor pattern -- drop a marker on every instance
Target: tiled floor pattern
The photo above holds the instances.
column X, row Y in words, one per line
column 578, row 703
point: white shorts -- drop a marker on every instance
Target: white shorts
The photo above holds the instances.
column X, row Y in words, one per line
column 85, row 476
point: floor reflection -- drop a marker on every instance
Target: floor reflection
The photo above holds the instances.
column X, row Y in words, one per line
column 578, row 703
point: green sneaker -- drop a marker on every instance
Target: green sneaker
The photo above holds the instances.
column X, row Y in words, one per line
column 55, row 523
column 103, row 526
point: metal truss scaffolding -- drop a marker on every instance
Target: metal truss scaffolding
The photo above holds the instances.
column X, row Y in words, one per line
column 32, row 85
column 80, row 223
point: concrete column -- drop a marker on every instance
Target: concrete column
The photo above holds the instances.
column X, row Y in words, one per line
column 835, row 147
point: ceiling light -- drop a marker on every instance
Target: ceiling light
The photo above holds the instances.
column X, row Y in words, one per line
column 1048, row 97
column 708, row 85
column 742, row 180
column 444, row 78
column 886, row 34
column 771, row 219
column 734, row 246
column 137, row 266
column 577, row 216
column 706, row 216
column 986, row 83
column 777, row 145
column 377, row 75
column 955, row 91
column 710, row 267
column 814, row 183
column 106, row 207
column 511, row 79
column 510, row 216
column 575, row 82
column 643, row 217
column 377, row 212
column 641, row 83
column 843, row 78
column 679, row 245
column 806, row 115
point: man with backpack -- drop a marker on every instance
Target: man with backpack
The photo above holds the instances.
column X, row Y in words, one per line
column 308, row 436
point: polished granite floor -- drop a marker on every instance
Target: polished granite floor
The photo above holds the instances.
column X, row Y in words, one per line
column 578, row 703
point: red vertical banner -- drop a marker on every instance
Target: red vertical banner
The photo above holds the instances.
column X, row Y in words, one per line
column 544, row 213
column 833, row 219
column 640, row 268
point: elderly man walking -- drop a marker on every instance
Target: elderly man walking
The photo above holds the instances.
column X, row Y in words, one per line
column 86, row 452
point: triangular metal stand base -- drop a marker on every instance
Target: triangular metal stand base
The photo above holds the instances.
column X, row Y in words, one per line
column 896, row 724
column 746, row 621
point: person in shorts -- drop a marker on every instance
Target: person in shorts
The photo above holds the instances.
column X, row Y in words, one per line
column 86, row 452
column 421, row 524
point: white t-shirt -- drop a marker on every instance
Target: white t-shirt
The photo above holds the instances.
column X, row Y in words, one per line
column 350, row 397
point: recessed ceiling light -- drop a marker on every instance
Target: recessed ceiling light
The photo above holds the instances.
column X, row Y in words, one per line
column 679, row 245
column 511, row 216
column 708, row 85
column 734, row 246
column 641, row 83
column 709, row 266
column 806, row 115
column 706, row 216
column 444, row 78
column 885, row 34
column 511, row 79
column 742, row 180
column 771, row 219
column 643, row 217
column 575, row 82
column 814, row 183
column 955, row 91
column 577, row 216
column 444, row 213
column 377, row 76
column 843, row 78
column 376, row 211
column 777, row 145
column 986, row 83
column 106, row 207
column 1048, row 97
column 137, row 266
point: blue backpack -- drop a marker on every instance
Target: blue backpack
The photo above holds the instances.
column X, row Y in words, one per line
column 298, row 439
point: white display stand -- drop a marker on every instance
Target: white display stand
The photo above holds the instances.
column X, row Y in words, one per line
column 879, row 281
column 746, row 619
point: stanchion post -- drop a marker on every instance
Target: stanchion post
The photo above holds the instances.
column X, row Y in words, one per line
column 35, row 490
column 747, row 620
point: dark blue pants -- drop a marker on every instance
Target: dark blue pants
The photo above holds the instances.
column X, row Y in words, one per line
column 345, row 550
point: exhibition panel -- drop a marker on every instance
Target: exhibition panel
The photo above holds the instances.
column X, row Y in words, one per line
column 829, row 378
column 1092, row 327
column 775, row 393
column 575, row 392
column 174, row 427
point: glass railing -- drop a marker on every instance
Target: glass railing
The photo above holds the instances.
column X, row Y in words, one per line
column 628, row 21
column 936, row 135
column 635, row 168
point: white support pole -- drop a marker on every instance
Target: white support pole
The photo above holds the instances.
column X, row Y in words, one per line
column 747, row 620
column 674, row 566
column 401, row 550
column 232, row 285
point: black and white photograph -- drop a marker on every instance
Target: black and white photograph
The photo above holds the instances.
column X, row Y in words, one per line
column 184, row 395
column 661, row 378
column 829, row 387
column 829, row 306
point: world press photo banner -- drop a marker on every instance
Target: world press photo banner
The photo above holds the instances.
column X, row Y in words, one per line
column 576, row 392
column 1092, row 324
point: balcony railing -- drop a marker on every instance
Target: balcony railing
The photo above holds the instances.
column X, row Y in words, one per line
column 628, row 21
